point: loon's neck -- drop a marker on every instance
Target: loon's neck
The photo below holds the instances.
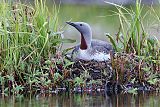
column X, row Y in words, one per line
column 85, row 41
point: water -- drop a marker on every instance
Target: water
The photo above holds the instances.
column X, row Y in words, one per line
column 102, row 20
column 86, row 100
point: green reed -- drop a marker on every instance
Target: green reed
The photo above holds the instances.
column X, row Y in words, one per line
column 28, row 37
column 132, row 36
column 136, row 50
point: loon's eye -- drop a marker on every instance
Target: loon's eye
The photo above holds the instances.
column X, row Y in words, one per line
column 80, row 24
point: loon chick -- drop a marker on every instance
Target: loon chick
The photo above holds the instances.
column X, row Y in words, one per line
column 89, row 49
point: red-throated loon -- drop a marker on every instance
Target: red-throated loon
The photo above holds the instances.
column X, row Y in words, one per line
column 89, row 49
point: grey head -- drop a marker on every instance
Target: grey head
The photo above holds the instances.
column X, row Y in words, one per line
column 85, row 30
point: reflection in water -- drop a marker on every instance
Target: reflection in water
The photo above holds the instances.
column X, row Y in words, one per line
column 86, row 100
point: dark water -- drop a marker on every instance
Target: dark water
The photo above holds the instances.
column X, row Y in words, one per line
column 86, row 100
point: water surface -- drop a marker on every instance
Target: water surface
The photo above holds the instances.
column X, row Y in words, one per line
column 102, row 19
column 86, row 100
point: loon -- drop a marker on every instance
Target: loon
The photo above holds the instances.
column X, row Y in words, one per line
column 89, row 49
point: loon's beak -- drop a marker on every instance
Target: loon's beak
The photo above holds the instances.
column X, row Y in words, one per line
column 71, row 23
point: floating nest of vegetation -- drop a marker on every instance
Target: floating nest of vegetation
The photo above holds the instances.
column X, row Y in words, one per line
column 123, row 72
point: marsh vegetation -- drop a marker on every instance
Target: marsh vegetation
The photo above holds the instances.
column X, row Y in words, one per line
column 32, row 60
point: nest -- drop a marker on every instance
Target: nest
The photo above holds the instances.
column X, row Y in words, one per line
column 92, row 70
column 124, row 70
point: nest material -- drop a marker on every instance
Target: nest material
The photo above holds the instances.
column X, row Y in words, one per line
column 122, row 69
column 92, row 69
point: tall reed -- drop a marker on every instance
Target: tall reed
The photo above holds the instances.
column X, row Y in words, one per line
column 137, row 51
column 28, row 37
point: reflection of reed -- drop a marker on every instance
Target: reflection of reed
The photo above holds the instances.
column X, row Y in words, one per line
column 100, row 100
column 142, row 99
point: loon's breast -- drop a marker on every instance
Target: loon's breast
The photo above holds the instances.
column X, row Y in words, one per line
column 88, row 55
column 99, row 51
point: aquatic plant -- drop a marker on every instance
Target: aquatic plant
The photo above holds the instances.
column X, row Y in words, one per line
column 28, row 38
column 137, row 53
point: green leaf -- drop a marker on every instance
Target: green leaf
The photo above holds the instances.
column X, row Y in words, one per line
column 6, row 90
column 48, row 82
column 10, row 77
column 146, row 69
column 112, row 41
column 78, row 81
column 1, row 79
column 133, row 80
column 133, row 90
column 153, row 81
column 48, row 62
column 19, row 88
column 57, row 76
column 68, row 63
